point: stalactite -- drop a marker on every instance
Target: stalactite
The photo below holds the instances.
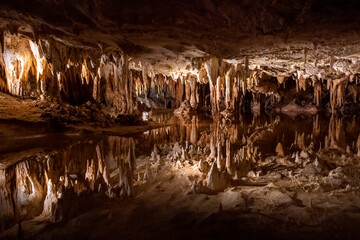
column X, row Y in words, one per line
column 281, row 79
column 228, row 88
column 194, row 131
column 194, row 95
column 18, row 62
column 301, row 83
column 40, row 68
column 317, row 92
column 212, row 146
column 218, row 93
column 212, row 70
column 219, row 158
column 337, row 92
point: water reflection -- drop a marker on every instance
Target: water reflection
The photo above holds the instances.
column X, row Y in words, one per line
column 57, row 185
column 263, row 134
column 46, row 184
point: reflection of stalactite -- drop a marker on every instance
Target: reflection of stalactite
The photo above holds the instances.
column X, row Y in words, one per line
column 300, row 140
column 6, row 203
column 353, row 92
column 105, row 166
column 316, row 126
column 29, row 192
column 122, row 156
column 335, row 138
column 50, row 200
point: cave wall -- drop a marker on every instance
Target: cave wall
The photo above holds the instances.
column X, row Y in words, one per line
column 49, row 68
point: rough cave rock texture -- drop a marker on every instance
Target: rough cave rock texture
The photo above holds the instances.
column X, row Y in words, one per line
column 282, row 55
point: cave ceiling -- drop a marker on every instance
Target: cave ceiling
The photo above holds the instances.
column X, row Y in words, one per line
column 282, row 35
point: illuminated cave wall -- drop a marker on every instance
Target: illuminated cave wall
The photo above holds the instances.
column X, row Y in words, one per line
column 332, row 87
column 75, row 75
column 41, row 68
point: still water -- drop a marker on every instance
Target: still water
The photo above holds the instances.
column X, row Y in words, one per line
column 53, row 176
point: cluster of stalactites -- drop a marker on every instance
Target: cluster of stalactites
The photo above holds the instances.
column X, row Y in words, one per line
column 180, row 86
column 34, row 67
column 226, row 82
column 158, row 82
column 315, row 81
column 337, row 85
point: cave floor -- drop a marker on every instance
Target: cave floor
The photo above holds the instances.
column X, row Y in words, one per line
column 16, row 108
column 273, row 177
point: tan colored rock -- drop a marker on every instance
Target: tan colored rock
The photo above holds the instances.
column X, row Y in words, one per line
column 279, row 150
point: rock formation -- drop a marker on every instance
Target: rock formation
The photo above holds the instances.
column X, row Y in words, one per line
column 133, row 116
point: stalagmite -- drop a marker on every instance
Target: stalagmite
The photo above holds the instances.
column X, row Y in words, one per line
column 216, row 180
column 297, row 160
column 279, row 150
